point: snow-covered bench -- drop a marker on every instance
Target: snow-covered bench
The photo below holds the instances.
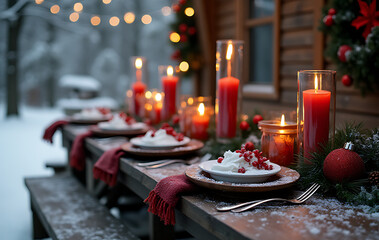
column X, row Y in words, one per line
column 62, row 209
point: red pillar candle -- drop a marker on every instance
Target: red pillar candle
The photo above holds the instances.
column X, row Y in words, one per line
column 200, row 124
column 157, row 107
column 138, row 93
column 316, row 118
column 169, row 83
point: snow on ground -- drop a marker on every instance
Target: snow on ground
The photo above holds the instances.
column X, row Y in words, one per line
column 23, row 153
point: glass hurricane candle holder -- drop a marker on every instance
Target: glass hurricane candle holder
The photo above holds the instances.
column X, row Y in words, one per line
column 279, row 140
column 201, row 117
column 169, row 88
column 316, row 109
column 228, row 76
column 139, row 78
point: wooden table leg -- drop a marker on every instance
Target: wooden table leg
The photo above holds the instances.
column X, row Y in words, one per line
column 158, row 230
column 90, row 181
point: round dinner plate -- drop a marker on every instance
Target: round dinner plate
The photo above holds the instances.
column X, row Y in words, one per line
column 110, row 133
column 191, row 147
column 255, row 176
column 161, row 145
column 83, row 120
column 135, row 126
column 285, row 178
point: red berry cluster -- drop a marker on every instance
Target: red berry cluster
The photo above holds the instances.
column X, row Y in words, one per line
column 248, row 152
column 328, row 19
column 170, row 131
column 129, row 120
column 103, row 110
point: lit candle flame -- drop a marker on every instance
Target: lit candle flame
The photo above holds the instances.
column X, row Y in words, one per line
column 190, row 101
column 138, row 63
column 170, row 71
column 283, row 121
column 201, row 109
column 158, row 97
column 229, row 52
column 148, row 94
column 316, row 83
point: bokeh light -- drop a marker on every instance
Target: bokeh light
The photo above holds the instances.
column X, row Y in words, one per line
column 107, row 1
column 39, row 1
column 55, row 9
column 114, row 21
column 146, row 19
column 184, row 66
column 166, row 10
column 174, row 37
column 129, row 17
column 189, row 12
column 95, row 20
column 74, row 17
column 78, row 7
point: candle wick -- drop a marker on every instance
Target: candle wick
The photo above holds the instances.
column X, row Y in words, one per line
column 229, row 68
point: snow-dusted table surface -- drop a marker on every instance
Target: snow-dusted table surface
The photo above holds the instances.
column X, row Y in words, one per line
column 318, row 218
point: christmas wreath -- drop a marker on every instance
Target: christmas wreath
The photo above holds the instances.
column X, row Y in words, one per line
column 186, row 40
column 353, row 28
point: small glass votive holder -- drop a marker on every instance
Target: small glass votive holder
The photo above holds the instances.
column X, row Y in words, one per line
column 139, row 77
column 316, row 109
column 279, row 141
column 202, row 113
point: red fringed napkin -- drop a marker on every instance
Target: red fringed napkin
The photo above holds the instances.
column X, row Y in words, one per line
column 106, row 168
column 49, row 131
column 164, row 197
column 77, row 154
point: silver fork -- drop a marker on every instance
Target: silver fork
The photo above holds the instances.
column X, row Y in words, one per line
column 300, row 199
column 187, row 162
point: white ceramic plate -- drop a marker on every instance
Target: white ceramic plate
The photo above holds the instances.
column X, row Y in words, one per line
column 160, row 145
column 107, row 127
column 86, row 118
column 232, row 177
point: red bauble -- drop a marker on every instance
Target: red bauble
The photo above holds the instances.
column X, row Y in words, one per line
column 346, row 80
column 343, row 165
column 249, row 146
column 183, row 38
column 183, row 27
column 191, row 30
column 332, row 11
column 328, row 20
column 257, row 118
column 176, row 8
column 244, row 126
column 342, row 50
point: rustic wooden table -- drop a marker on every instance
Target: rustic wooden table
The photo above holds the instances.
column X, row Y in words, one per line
column 318, row 218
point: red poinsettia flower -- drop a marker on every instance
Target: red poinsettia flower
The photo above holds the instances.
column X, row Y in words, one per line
column 370, row 17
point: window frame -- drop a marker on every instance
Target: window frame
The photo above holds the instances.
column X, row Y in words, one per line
column 244, row 24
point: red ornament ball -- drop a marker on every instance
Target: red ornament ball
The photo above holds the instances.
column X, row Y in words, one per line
column 183, row 27
column 183, row 38
column 328, row 20
column 332, row 11
column 257, row 118
column 244, row 126
column 191, row 30
column 342, row 51
column 347, row 80
column 176, row 8
column 343, row 165
column 249, row 146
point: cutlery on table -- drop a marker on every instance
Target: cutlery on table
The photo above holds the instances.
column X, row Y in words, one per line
column 248, row 205
column 162, row 163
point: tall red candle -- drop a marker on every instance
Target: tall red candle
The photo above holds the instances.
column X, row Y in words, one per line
column 227, row 107
column 316, row 119
column 138, row 92
column 169, row 83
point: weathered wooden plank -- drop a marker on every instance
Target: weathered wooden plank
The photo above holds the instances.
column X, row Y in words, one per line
column 296, row 7
column 290, row 70
column 297, row 22
column 226, row 21
column 297, row 55
column 297, row 39
column 226, row 33
column 224, row 7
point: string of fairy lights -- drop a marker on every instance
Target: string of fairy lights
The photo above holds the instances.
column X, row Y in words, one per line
column 114, row 21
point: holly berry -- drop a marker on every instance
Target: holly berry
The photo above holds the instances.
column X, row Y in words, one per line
column 104, row 110
column 165, row 125
column 183, row 38
column 244, row 126
column 176, row 8
column 332, row 12
column 342, row 51
column 249, row 146
column 242, row 170
column 347, row 80
column 219, row 160
column 169, row 131
column 191, row 30
column 257, row 118
column 328, row 20
column 179, row 137
column 175, row 119
column 183, row 27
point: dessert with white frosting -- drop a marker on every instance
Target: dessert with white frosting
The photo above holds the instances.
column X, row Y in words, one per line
column 121, row 122
column 245, row 160
column 93, row 113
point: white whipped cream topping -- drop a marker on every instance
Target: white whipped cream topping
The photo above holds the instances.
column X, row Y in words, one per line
column 119, row 123
column 160, row 137
column 91, row 113
column 232, row 162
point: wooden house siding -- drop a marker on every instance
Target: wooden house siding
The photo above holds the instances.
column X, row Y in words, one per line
column 301, row 47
